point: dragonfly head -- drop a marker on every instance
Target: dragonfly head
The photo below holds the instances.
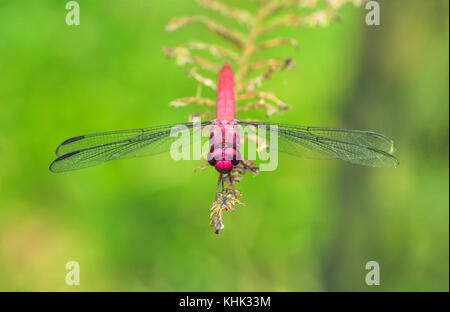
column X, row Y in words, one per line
column 224, row 166
column 223, row 159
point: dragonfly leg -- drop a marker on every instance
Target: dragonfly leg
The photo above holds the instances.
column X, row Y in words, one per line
column 249, row 165
column 218, row 185
column 232, row 184
column 202, row 167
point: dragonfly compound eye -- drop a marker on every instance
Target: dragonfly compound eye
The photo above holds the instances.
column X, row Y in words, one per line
column 212, row 162
column 214, row 155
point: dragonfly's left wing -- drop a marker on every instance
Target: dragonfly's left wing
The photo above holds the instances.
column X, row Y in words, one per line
column 93, row 149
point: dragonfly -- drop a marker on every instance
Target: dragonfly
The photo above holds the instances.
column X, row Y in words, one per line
column 355, row 146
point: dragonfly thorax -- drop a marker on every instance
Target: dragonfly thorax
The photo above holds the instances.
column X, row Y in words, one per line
column 224, row 146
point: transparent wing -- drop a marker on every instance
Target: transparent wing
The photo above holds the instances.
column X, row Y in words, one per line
column 93, row 149
column 359, row 147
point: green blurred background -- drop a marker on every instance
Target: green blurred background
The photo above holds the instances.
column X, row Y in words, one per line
column 142, row 224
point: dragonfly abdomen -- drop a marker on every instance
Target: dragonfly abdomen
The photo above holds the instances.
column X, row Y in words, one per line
column 225, row 94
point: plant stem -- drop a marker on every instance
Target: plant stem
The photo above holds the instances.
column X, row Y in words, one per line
column 249, row 47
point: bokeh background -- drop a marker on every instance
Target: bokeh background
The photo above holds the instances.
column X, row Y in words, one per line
column 143, row 224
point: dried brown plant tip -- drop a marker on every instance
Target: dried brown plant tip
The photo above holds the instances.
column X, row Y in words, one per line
column 214, row 50
column 227, row 198
column 196, row 100
column 203, row 80
column 240, row 15
column 226, row 201
column 233, row 36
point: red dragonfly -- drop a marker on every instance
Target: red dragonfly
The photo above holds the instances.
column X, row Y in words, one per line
column 355, row 146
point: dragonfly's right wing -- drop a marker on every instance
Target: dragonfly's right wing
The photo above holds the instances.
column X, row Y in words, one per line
column 359, row 147
column 93, row 149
